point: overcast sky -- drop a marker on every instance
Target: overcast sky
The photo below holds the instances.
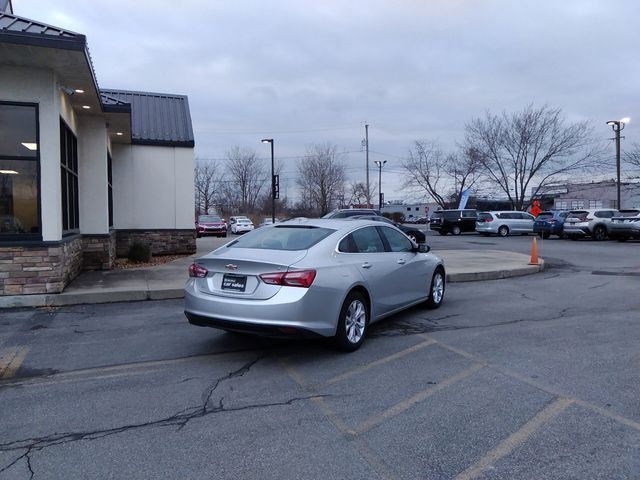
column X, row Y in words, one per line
column 306, row 72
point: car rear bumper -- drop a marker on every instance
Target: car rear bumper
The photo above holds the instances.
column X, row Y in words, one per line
column 577, row 230
column 480, row 228
column 553, row 230
column 291, row 311
column 620, row 230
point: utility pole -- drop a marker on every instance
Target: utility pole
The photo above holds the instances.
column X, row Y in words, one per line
column 366, row 145
column 380, row 195
column 618, row 126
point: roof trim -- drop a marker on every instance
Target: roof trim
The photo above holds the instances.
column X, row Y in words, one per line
column 164, row 143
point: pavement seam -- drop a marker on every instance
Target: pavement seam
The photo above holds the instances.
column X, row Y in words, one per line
column 516, row 439
column 540, row 386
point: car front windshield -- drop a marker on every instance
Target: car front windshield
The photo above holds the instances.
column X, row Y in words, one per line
column 282, row 238
column 209, row 219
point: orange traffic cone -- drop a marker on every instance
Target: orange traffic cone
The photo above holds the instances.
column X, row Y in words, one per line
column 534, row 253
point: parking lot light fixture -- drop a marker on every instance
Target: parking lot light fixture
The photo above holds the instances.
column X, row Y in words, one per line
column 273, row 182
column 618, row 126
column 380, row 164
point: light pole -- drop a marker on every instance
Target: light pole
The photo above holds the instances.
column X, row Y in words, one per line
column 273, row 182
column 618, row 126
column 380, row 164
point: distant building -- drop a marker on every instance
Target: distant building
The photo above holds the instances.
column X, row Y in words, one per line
column 413, row 210
column 601, row 194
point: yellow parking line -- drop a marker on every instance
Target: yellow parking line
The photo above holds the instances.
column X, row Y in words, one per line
column 516, row 439
column 419, row 397
column 379, row 362
column 10, row 361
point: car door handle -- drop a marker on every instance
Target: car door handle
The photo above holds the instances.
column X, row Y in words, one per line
column 401, row 261
column 366, row 265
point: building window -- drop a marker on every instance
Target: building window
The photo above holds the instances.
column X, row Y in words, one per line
column 561, row 205
column 577, row 204
column 19, row 172
column 110, row 187
column 595, row 204
column 69, row 180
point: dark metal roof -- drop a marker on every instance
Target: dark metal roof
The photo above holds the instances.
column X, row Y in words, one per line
column 156, row 118
column 22, row 31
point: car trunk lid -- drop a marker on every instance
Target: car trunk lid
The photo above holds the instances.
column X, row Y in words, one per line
column 235, row 272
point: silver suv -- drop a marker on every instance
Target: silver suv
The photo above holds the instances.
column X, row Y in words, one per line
column 504, row 223
column 589, row 223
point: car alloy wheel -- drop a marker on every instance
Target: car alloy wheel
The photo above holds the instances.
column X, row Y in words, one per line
column 353, row 322
column 412, row 237
column 503, row 231
column 436, row 290
column 455, row 230
column 599, row 233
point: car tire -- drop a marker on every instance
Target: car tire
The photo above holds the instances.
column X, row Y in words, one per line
column 503, row 231
column 412, row 236
column 599, row 233
column 198, row 235
column 352, row 323
column 545, row 235
column 436, row 289
column 224, row 235
column 455, row 230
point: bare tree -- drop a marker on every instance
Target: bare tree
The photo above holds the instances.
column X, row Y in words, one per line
column 246, row 178
column 465, row 170
column 633, row 156
column 427, row 170
column 207, row 184
column 357, row 193
column 527, row 150
column 321, row 177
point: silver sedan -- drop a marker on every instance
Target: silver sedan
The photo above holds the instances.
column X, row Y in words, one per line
column 319, row 277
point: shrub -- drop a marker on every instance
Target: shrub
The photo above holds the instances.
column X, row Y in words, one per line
column 139, row 252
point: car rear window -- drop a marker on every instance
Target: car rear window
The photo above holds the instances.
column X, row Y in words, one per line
column 453, row 215
column 484, row 216
column 437, row 215
column 581, row 214
column 544, row 215
column 285, row 237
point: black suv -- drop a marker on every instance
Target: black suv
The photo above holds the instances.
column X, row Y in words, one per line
column 453, row 221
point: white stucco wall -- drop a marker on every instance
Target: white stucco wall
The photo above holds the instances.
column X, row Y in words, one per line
column 152, row 187
column 92, row 175
column 18, row 84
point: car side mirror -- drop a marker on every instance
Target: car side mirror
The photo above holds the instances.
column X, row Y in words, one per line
column 423, row 248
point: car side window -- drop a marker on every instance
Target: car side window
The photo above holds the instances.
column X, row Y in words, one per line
column 398, row 242
column 527, row 216
column 367, row 240
column 347, row 245
column 603, row 214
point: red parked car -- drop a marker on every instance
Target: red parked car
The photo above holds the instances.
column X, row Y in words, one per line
column 210, row 225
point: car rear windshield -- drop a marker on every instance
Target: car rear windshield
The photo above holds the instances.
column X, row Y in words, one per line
column 209, row 218
column 484, row 216
column 285, row 237
column 544, row 215
column 581, row 214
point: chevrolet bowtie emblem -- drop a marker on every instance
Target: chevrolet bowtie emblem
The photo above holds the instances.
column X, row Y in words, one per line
column 231, row 266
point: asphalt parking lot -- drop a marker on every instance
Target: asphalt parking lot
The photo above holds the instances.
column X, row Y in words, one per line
column 522, row 378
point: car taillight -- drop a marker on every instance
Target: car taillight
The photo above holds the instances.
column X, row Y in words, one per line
column 197, row 271
column 296, row 278
column 490, row 219
column 552, row 220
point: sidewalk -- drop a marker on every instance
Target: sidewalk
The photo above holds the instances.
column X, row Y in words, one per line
column 167, row 281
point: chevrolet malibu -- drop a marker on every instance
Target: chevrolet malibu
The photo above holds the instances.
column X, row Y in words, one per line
column 327, row 278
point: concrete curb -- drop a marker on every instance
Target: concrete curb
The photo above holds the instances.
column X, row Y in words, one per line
column 135, row 295
column 495, row 274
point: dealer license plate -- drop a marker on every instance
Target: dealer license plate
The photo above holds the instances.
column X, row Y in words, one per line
column 237, row 283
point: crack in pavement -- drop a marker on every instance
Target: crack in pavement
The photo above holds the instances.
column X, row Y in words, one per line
column 411, row 327
column 179, row 419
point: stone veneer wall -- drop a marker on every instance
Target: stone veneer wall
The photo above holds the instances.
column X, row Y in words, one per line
column 162, row 242
column 39, row 268
column 98, row 251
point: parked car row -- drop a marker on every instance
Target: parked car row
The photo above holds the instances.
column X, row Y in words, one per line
column 597, row 224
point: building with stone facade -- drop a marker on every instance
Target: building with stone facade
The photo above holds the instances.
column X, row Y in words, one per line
column 84, row 171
